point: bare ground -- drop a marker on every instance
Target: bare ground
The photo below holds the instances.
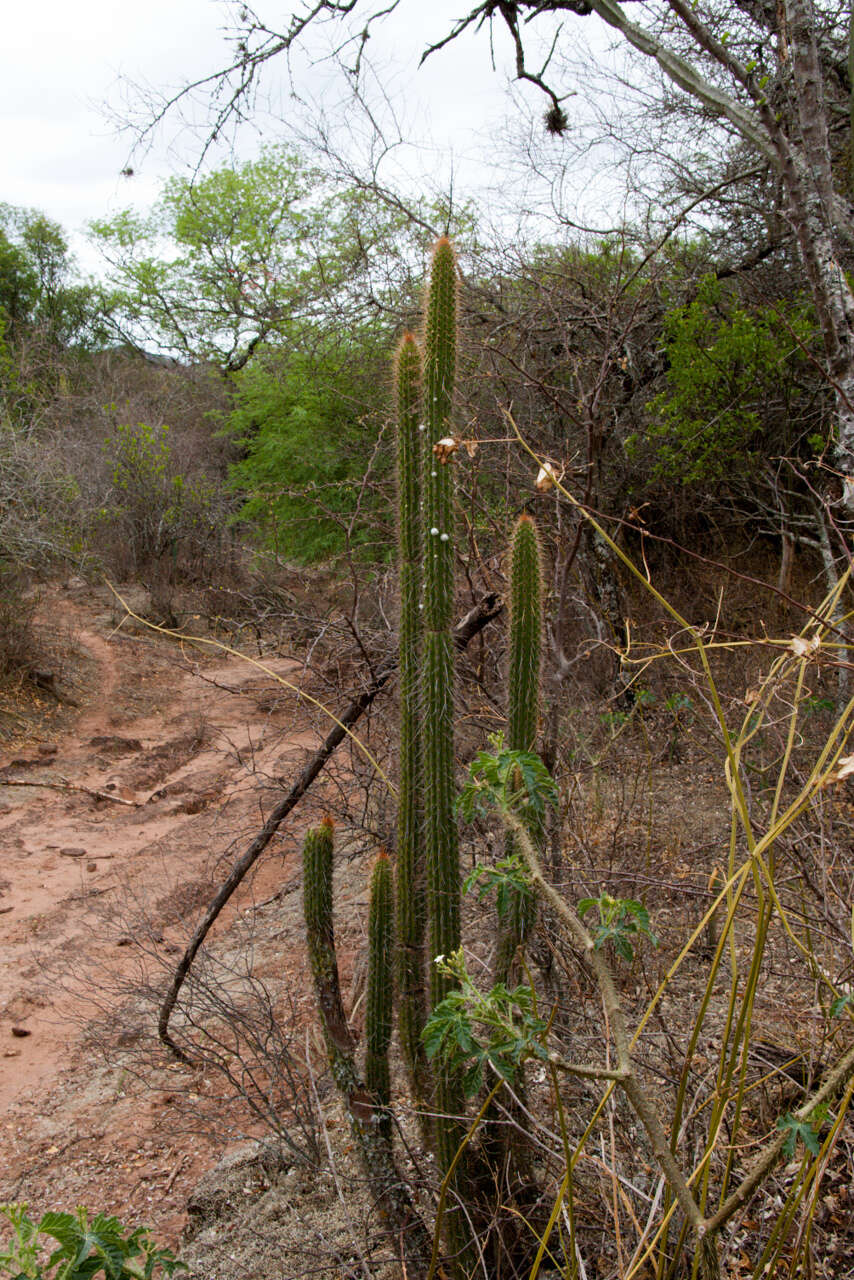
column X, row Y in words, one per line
column 98, row 896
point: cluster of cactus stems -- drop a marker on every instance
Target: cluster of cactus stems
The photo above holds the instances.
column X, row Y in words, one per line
column 366, row 1098
column 426, row 917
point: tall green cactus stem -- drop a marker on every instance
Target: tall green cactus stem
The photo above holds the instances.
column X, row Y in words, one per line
column 523, row 698
column 411, row 888
column 442, row 845
column 378, row 1009
column 320, row 934
column 443, row 871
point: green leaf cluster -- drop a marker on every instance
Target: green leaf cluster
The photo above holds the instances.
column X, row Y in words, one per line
column 469, row 1029
column 805, row 1131
column 621, row 920
column 506, row 878
column 85, row 1248
column 735, row 382
column 514, row 781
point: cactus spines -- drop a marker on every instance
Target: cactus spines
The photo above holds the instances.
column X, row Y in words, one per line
column 525, row 630
column 440, row 358
column 320, row 934
column 440, row 364
column 380, row 985
column 522, row 703
column 411, row 888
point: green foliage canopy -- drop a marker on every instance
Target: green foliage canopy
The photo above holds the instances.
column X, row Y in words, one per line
column 737, row 386
column 233, row 259
column 306, row 418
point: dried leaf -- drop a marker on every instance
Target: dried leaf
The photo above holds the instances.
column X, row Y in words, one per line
column 802, row 648
column 445, row 448
column 844, row 769
column 546, row 478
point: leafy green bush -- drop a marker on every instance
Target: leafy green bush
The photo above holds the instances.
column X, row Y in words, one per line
column 154, row 507
column 734, row 386
column 85, row 1248
column 305, row 420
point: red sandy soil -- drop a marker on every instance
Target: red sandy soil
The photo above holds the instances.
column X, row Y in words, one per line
column 193, row 740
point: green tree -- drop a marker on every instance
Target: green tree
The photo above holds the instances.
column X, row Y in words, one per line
column 737, row 388
column 40, row 292
column 238, row 257
column 306, row 417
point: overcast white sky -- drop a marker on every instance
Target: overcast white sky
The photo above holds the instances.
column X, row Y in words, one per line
column 61, row 62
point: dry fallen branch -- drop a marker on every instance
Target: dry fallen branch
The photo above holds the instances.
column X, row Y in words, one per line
column 63, row 784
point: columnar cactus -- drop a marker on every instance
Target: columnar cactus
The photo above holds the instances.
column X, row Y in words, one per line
column 427, row 829
column 443, row 871
column 378, row 1008
column 320, row 935
column 442, row 844
column 523, row 696
column 411, row 887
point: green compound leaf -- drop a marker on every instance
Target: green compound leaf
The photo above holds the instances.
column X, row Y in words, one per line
column 798, row 1129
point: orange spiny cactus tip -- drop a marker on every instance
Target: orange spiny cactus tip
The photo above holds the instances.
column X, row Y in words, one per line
column 383, row 855
column 328, row 821
column 525, row 519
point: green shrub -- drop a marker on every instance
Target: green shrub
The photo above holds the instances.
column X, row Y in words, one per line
column 84, row 1248
column 305, row 419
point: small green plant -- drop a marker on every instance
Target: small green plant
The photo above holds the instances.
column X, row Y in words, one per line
column 507, row 877
column 619, row 920
column 804, row 1130
column 681, row 707
column 469, row 1030
column 515, row 781
column 613, row 721
column 86, row 1248
column 814, row 705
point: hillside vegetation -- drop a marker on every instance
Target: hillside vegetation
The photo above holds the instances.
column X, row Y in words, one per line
column 573, row 570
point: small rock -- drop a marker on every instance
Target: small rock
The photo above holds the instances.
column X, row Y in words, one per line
column 91, row 866
column 124, row 941
column 20, row 1032
column 72, row 853
column 47, row 748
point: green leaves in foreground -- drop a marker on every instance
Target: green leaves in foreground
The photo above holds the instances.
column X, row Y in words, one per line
column 621, row 920
column 515, row 781
column 469, row 1030
column 805, row 1130
column 86, row 1248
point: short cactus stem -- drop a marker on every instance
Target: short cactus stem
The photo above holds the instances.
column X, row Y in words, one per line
column 526, row 623
column 378, row 1009
column 522, row 706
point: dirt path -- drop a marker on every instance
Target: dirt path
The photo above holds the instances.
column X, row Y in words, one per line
column 96, row 895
